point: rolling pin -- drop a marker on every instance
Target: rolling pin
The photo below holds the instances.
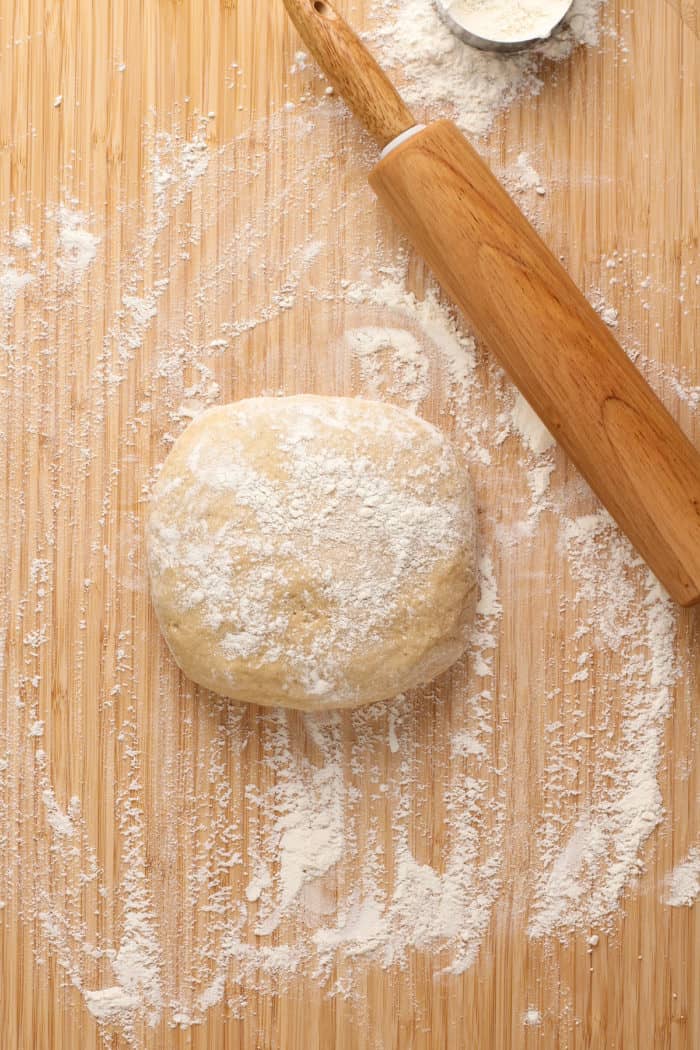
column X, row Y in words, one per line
column 524, row 306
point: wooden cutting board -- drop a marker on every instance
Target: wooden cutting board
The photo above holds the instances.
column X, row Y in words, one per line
column 85, row 90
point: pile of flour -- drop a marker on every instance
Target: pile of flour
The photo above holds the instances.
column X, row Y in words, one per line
column 439, row 75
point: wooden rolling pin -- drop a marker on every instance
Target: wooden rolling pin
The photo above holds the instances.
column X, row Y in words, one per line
column 526, row 308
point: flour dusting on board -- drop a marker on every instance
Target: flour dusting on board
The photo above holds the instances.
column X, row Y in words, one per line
column 256, row 847
column 12, row 282
column 77, row 245
column 683, row 883
column 437, row 72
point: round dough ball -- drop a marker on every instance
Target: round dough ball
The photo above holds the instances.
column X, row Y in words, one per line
column 312, row 552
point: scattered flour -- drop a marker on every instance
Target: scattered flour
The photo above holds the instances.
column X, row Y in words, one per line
column 77, row 246
column 21, row 238
column 311, row 826
column 683, row 884
column 521, row 177
column 383, row 350
column 530, row 427
column 436, row 323
column 177, row 165
column 585, row 874
column 12, row 282
column 111, row 1005
column 532, row 1017
column 62, row 823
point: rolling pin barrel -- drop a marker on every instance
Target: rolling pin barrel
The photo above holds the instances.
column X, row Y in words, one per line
column 553, row 344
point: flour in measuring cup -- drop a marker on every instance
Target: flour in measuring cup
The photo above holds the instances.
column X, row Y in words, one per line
column 508, row 20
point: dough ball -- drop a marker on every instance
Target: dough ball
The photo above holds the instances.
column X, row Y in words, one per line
column 312, row 552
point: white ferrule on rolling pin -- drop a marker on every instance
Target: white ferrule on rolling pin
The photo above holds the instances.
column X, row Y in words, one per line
column 407, row 134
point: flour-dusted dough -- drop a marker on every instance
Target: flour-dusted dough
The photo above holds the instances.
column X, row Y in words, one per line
column 312, row 552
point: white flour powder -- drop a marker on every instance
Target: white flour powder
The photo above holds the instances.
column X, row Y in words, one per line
column 77, row 246
column 683, row 884
column 12, row 282
column 530, row 427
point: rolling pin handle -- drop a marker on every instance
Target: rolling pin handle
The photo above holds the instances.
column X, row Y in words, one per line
column 351, row 69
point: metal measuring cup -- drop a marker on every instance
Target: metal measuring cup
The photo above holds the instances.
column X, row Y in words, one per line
column 457, row 21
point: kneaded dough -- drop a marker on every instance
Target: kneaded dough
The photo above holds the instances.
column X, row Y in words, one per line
column 312, row 552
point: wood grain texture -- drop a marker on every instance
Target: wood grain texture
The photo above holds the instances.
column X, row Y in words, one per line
column 616, row 140
column 553, row 344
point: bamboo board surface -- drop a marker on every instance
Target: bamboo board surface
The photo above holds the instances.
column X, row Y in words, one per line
column 616, row 135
